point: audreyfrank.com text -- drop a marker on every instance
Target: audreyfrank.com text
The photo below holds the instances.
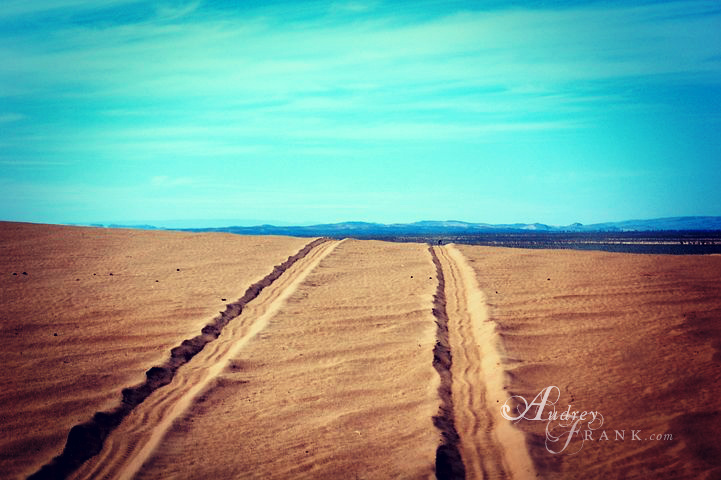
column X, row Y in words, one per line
column 567, row 430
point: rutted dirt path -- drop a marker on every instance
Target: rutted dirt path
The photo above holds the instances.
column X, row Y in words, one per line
column 338, row 385
column 144, row 424
column 449, row 465
column 490, row 447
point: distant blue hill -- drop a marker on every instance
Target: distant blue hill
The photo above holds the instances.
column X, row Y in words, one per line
column 454, row 227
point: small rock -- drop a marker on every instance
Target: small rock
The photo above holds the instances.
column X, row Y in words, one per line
column 55, row 334
column 111, row 274
column 223, row 299
column 177, row 269
column 15, row 273
column 25, row 273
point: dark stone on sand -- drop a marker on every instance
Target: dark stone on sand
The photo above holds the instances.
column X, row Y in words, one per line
column 25, row 273
column 55, row 334
column 223, row 299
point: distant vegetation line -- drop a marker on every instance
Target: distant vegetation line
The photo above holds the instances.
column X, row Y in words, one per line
column 453, row 227
column 674, row 235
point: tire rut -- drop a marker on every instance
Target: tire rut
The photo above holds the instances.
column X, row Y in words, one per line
column 135, row 441
column 490, row 447
column 87, row 439
column 449, row 465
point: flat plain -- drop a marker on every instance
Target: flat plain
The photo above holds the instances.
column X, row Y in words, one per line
column 208, row 355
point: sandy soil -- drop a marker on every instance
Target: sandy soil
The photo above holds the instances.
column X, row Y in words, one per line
column 634, row 337
column 356, row 359
column 340, row 383
column 73, row 335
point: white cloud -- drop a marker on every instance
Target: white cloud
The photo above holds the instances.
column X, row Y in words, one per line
column 165, row 181
column 11, row 117
column 32, row 163
column 175, row 11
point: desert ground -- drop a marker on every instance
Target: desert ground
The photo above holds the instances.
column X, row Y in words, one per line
column 151, row 354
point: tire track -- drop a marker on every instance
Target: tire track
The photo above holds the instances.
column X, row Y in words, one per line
column 133, row 443
column 88, row 440
column 449, row 465
column 490, row 447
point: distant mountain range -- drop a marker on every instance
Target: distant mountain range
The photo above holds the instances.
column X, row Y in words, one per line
column 451, row 227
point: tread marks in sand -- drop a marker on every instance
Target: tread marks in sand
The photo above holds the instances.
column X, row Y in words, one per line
column 86, row 439
column 449, row 465
column 489, row 447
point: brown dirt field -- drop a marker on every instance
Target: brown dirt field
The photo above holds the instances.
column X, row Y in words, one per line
column 634, row 337
column 73, row 335
column 340, row 384
column 338, row 363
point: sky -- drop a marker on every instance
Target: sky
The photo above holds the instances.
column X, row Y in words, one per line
column 200, row 113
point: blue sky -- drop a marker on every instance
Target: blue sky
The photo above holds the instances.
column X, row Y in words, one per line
column 287, row 112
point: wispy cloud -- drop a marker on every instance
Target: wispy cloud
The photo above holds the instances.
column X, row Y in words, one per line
column 15, row 8
column 243, row 58
column 11, row 117
column 32, row 163
column 537, row 68
column 176, row 11
column 164, row 181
